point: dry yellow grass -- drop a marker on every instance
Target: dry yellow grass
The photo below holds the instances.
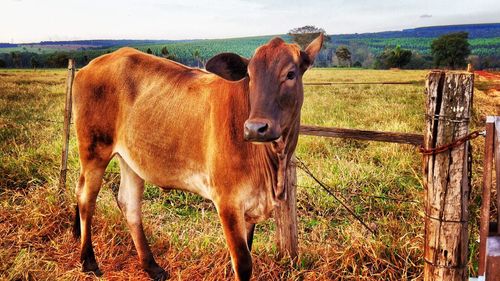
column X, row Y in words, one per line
column 35, row 220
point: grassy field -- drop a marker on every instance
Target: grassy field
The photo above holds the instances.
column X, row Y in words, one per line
column 380, row 181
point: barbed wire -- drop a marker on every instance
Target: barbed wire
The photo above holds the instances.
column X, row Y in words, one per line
column 33, row 119
column 301, row 165
column 360, row 194
column 453, row 144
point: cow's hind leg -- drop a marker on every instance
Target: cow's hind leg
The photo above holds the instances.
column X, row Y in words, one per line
column 87, row 190
column 129, row 201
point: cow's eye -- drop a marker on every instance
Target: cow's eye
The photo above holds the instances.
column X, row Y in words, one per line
column 290, row 75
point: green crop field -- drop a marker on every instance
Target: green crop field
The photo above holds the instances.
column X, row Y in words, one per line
column 246, row 45
column 479, row 46
column 197, row 52
column 381, row 182
column 208, row 48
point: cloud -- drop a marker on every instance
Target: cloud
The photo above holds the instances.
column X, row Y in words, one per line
column 184, row 19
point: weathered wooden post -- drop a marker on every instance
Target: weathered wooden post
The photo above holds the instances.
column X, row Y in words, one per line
column 286, row 216
column 489, row 243
column 67, row 125
column 496, row 145
column 446, row 182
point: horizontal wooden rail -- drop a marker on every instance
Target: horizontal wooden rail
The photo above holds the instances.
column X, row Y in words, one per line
column 408, row 138
column 363, row 83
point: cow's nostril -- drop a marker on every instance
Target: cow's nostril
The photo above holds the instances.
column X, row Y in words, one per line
column 262, row 129
column 258, row 130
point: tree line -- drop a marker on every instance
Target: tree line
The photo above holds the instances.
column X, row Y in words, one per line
column 17, row 59
column 449, row 51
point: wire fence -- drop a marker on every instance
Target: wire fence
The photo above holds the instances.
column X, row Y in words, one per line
column 336, row 194
column 338, row 197
column 44, row 120
column 365, row 195
column 364, row 83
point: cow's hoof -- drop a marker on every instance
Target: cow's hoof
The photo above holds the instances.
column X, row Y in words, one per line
column 158, row 274
column 89, row 264
column 92, row 269
column 154, row 271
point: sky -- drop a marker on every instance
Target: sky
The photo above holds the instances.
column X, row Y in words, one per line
column 24, row 21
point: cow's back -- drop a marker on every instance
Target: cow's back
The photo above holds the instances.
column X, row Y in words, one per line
column 107, row 90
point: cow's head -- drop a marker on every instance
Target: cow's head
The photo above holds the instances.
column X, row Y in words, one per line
column 275, row 84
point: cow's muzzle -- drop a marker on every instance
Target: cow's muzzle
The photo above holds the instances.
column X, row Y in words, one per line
column 260, row 130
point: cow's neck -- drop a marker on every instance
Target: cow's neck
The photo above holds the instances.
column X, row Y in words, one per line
column 282, row 150
column 269, row 160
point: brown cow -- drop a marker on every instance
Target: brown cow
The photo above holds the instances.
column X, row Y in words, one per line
column 185, row 128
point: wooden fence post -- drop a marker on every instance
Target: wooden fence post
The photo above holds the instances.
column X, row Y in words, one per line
column 446, row 182
column 286, row 216
column 489, row 252
column 67, row 125
column 496, row 145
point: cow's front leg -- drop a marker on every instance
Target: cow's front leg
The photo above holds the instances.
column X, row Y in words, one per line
column 234, row 226
column 250, row 231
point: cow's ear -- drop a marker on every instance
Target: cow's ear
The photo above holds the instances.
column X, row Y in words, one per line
column 228, row 66
column 309, row 54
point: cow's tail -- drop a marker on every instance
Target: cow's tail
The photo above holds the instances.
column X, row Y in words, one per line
column 76, row 223
column 74, row 92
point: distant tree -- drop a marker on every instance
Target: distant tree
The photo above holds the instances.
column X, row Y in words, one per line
column 419, row 61
column 34, row 62
column 397, row 57
column 357, row 64
column 369, row 60
column 164, row 52
column 197, row 57
column 305, row 34
column 451, row 50
column 2, row 63
column 149, row 51
column 16, row 58
column 58, row 59
column 344, row 55
column 475, row 61
column 361, row 53
column 488, row 62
